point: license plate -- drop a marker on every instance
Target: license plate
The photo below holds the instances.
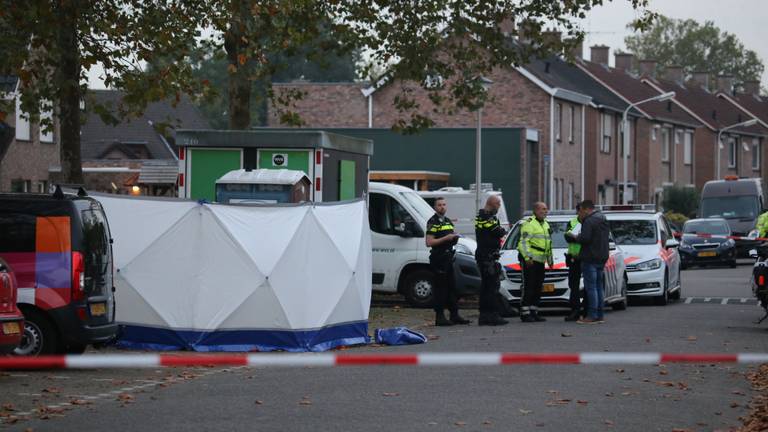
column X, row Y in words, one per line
column 548, row 288
column 707, row 254
column 98, row 309
column 11, row 328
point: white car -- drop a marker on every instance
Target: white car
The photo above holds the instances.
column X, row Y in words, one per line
column 652, row 256
column 555, row 289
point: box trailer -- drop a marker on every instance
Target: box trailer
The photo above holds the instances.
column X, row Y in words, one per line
column 337, row 165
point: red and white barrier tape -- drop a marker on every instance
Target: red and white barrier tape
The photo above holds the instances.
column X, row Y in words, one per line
column 717, row 236
column 136, row 361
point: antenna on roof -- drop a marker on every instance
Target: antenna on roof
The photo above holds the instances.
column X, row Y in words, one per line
column 58, row 193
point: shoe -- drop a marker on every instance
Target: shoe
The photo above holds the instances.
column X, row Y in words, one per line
column 573, row 317
column 458, row 319
column 601, row 321
column 441, row 321
column 527, row 318
column 538, row 318
column 587, row 321
column 491, row 320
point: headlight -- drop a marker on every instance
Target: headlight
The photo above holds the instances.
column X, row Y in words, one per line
column 649, row 265
column 463, row 249
column 685, row 246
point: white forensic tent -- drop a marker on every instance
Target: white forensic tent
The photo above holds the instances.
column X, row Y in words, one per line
column 212, row 277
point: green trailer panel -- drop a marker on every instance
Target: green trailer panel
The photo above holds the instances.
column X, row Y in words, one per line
column 346, row 180
column 285, row 159
column 207, row 166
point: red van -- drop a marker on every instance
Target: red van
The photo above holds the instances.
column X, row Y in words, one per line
column 11, row 319
column 60, row 250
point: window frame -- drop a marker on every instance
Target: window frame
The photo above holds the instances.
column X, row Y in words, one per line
column 732, row 152
column 688, row 148
column 605, row 140
column 572, row 126
column 23, row 125
column 665, row 144
column 558, row 122
column 756, row 154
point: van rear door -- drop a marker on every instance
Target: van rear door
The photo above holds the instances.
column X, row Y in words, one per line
column 96, row 251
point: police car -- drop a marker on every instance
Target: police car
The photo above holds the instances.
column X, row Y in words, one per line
column 555, row 291
column 652, row 256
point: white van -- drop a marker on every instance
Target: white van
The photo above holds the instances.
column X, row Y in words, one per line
column 461, row 207
column 398, row 218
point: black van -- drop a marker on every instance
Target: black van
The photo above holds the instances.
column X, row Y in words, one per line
column 60, row 249
column 737, row 200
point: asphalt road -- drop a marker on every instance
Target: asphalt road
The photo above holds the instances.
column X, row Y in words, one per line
column 546, row 398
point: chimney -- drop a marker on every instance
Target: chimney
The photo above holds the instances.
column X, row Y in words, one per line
column 599, row 54
column 578, row 50
column 725, row 84
column 624, row 61
column 701, row 78
column 752, row 88
column 507, row 27
column 674, row 73
column 648, row 68
column 526, row 28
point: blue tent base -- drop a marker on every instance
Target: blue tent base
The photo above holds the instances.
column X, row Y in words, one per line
column 165, row 339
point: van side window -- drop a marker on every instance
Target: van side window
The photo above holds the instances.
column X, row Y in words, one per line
column 17, row 232
column 384, row 213
column 96, row 241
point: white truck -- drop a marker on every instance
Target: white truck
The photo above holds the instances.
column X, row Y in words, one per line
column 398, row 218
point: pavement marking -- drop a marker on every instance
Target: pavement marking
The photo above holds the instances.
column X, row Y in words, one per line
column 707, row 299
column 724, row 301
column 721, row 300
column 688, row 300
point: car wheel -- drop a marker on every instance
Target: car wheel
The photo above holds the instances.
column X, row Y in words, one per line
column 622, row 305
column 663, row 299
column 732, row 264
column 75, row 348
column 418, row 288
column 40, row 336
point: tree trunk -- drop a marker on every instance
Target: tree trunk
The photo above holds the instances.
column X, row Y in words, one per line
column 239, row 66
column 68, row 78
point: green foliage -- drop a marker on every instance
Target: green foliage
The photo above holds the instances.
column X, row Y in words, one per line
column 676, row 219
column 697, row 48
column 680, row 199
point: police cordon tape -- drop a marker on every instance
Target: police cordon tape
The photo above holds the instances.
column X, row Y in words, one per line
column 137, row 361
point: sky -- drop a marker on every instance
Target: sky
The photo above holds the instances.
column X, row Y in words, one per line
column 747, row 19
column 606, row 24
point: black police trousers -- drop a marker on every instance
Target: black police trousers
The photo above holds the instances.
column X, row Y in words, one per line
column 533, row 283
column 444, row 288
column 578, row 299
column 489, row 286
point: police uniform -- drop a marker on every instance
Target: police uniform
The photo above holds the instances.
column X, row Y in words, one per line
column 762, row 225
column 441, row 263
column 534, row 247
column 488, row 232
column 578, row 300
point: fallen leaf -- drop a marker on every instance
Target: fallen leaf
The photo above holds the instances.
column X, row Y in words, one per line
column 647, row 340
column 680, row 430
column 692, row 338
column 663, row 372
column 582, row 402
column 80, row 402
column 305, row 402
column 740, row 393
column 525, row 411
column 566, row 334
column 620, row 370
column 682, row 386
column 487, row 422
column 9, row 407
column 735, row 405
column 390, row 394
column 460, row 423
column 51, row 390
column 608, row 422
column 665, row 383
column 125, row 397
column 258, row 402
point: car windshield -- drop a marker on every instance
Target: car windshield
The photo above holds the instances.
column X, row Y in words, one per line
column 558, row 240
column 732, row 207
column 706, row 227
column 633, row 232
column 417, row 202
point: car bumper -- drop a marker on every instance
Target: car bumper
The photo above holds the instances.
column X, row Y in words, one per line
column 9, row 341
column 645, row 283
column 75, row 331
column 694, row 257
column 561, row 296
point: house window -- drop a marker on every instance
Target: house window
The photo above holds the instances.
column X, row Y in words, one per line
column 653, row 133
column 732, row 148
column 756, row 154
column 22, row 124
column 664, row 145
column 605, row 144
column 561, row 192
column 572, row 125
column 20, row 185
column 42, row 186
column 570, row 196
column 46, row 133
column 558, row 121
column 688, row 148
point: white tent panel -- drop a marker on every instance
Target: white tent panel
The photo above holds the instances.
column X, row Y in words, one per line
column 344, row 225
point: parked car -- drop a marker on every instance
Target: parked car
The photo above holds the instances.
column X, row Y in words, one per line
column 60, row 249
column 398, row 219
column 11, row 318
column 697, row 247
column 652, row 256
column 555, row 291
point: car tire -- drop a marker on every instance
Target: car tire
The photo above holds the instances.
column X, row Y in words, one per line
column 75, row 348
column 663, row 299
column 418, row 288
column 40, row 336
column 732, row 264
column 622, row 305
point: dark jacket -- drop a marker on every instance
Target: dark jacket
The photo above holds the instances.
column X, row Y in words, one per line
column 488, row 232
column 594, row 239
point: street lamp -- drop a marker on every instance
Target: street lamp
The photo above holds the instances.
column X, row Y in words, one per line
column 625, row 127
column 720, row 134
column 486, row 84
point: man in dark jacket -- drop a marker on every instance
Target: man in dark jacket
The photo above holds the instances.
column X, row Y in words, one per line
column 593, row 256
column 489, row 232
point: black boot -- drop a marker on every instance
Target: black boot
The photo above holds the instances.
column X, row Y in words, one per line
column 441, row 321
column 527, row 318
column 573, row 316
column 458, row 319
column 491, row 319
column 537, row 318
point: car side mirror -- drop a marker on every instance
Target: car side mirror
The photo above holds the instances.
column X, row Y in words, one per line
column 612, row 246
column 671, row 243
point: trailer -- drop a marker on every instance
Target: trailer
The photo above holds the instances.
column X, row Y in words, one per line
column 336, row 165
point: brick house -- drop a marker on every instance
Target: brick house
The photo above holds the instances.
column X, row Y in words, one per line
column 751, row 103
column 662, row 138
column 741, row 153
column 137, row 155
column 27, row 152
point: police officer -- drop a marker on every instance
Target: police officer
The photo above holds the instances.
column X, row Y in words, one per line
column 489, row 232
column 535, row 250
column 578, row 300
column 762, row 225
column 441, row 238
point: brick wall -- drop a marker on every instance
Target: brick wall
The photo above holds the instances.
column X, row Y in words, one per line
column 29, row 160
column 327, row 105
column 705, row 155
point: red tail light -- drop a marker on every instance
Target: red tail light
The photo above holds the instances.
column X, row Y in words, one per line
column 181, row 153
column 318, row 186
column 181, row 179
column 78, row 276
column 318, row 157
column 761, row 280
column 7, row 293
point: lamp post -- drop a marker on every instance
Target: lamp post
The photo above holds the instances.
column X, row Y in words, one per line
column 720, row 146
column 625, row 128
column 486, row 84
